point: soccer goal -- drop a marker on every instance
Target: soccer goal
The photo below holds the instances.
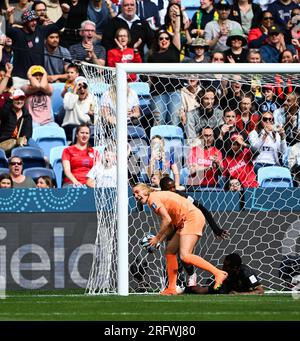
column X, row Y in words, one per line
column 262, row 219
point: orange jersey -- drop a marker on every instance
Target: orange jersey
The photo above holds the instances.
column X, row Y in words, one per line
column 178, row 207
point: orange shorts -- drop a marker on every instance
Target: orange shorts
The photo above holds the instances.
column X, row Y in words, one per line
column 193, row 224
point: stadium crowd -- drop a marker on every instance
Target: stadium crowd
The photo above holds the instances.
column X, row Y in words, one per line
column 232, row 127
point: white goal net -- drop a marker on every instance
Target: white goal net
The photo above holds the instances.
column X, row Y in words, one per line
column 229, row 137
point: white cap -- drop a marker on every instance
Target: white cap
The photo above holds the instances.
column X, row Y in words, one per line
column 81, row 79
column 18, row 93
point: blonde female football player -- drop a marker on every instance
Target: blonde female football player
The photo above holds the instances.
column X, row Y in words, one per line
column 179, row 213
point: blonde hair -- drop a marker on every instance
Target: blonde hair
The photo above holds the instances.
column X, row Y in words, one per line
column 152, row 164
column 144, row 187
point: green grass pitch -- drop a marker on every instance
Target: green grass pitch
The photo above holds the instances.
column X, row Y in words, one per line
column 24, row 306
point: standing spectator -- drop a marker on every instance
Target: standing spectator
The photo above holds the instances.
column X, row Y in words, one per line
column 124, row 54
column 245, row 13
column 15, row 164
column 258, row 33
column 208, row 114
column 79, row 107
column 6, row 83
column 216, row 32
column 148, row 10
column 100, row 11
column 205, row 161
column 6, row 181
column 16, row 120
column 6, row 51
column 38, row 94
column 139, row 29
column 236, row 53
column 268, row 141
column 40, row 9
column 21, row 7
column 165, row 104
column 238, row 163
column 28, row 43
column 89, row 49
column 57, row 58
column 78, row 159
column 54, row 11
column 205, row 14
column 281, row 10
column 233, row 94
column 246, row 118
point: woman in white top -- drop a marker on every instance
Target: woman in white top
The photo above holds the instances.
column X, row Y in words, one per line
column 268, row 140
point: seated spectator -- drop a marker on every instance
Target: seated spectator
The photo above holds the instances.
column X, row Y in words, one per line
column 238, row 162
column 72, row 74
column 204, row 161
column 15, row 164
column 294, row 160
column 189, row 98
column 159, row 160
column 6, row 83
column 236, row 53
column 208, row 114
column 6, row 181
column 104, row 172
column 258, row 33
column 246, row 118
column 234, row 185
column 57, row 58
column 16, row 122
column 38, row 93
column 268, row 141
column 89, row 49
column 287, row 56
column 78, row 159
column 269, row 101
column 200, row 49
column 44, row 181
column 124, row 54
column 241, row 280
column 254, row 56
column 79, row 107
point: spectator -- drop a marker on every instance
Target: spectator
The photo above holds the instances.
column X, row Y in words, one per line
column 28, row 43
column 294, row 160
column 238, row 162
column 159, row 160
column 100, row 11
column 216, row 32
column 44, row 181
column 89, row 49
column 139, row 29
column 79, row 107
column 38, row 94
column 165, row 104
column 234, row 185
column 6, row 83
column 189, row 98
column 254, row 56
column 6, row 181
column 40, row 9
column 205, row 14
column 233, row 94
column 77, row 15
column 269, row 102
column 72, row 74
column 241, row 280
column 200, row 49
column 148, row 10
column 281, row 11
column 268, row 141
column 54, row 11
column 16, row 122
column 21, row 7
column 204, row 161
column 287, row 56
column 57, row 58
column 208, row 114
column 258, row 33
column 236, row 53
column 124, row 54
column 6, row 51
column 78, row 159
column 155, row 178
column 246, row 118
column 104, row 172
column 245, row 13
column 15, row 164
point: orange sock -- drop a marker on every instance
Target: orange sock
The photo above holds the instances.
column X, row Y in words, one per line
column 200, row 263
column 172, row 269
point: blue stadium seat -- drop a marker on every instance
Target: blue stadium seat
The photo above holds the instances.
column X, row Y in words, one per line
column 31, row 156
column 36, row 172
column 48, row 137
column 56, row 98
column 3, row 159
column 56, row 163
column 274, row 176
column 4, row 170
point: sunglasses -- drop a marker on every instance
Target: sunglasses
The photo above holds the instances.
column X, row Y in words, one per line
column 268, row 18
column 14, row 163
column 268, row 119
column 84, row 86
column 164, row 38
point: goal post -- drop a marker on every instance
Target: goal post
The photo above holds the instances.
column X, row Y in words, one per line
column 122, row 216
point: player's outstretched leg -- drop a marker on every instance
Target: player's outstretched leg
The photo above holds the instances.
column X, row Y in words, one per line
column 172, row 269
